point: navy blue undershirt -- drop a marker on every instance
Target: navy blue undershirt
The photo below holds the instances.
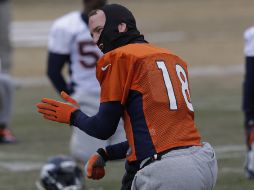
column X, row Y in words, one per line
column 102, row 126
column 248, row 89
column 117, row 151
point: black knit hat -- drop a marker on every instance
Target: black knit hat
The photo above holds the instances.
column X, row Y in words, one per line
column 110, row 37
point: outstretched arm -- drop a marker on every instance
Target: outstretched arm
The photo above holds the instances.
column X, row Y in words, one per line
column 101, row 126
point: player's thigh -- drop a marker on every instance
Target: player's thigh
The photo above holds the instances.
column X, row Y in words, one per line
column 204, row 157
column 6, row 91
column 179, row 170
column 168, row 174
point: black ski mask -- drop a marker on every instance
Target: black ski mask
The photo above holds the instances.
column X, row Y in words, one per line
column 110, row 37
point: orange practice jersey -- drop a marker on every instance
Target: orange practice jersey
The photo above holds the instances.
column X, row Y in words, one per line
column 152, row 84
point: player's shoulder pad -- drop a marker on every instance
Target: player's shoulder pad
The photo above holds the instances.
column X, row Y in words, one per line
column 249, row 33
column 249, row 42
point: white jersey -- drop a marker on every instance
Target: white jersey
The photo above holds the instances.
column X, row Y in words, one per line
column 249, row 42
column 70, row 35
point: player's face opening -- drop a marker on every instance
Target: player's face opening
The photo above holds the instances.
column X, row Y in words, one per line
column 96, row 24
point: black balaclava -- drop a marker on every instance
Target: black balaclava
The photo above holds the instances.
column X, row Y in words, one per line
column 110, row 37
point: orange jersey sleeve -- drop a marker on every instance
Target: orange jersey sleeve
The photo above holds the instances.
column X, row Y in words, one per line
column 114, row 73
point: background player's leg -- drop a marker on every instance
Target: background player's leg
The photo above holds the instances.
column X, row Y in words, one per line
column 6, row 85
column 5, row 45
column 6, row 94
column 248, row 106
column 249, row 159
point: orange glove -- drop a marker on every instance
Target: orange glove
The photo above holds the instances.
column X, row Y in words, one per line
column 69, row 99
column 94, row 168
column 58, row 111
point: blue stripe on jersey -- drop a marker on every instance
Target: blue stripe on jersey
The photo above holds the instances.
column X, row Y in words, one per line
column 142, row 139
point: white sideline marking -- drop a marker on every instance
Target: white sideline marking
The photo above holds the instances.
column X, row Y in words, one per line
column 20, row 166
column 231, row 170
column 30, row 34
column 230, row 151
column 20, row 156
column 222, row 152
column 229, row 148
column 35, row 34
column 195, row 71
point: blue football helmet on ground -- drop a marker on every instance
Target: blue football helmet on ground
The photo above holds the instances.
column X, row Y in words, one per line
column 61, row 173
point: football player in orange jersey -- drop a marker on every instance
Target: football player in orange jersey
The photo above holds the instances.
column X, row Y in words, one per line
column 147, row 86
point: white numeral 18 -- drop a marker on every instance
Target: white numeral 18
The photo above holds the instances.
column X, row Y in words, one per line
column 170, row 91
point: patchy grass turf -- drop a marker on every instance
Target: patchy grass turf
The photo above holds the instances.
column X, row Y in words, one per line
column 213, row 37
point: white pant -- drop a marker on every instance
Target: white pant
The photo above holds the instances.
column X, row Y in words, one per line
column 83, row 145
column 194, row 168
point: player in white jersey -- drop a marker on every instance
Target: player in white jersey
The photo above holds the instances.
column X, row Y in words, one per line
column 248, row 100
column 70, row 43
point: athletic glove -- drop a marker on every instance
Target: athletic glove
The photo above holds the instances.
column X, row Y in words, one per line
column 94, row 168
column 58, row 111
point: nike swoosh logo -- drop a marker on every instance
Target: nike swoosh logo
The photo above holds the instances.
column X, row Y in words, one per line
column 105, row 67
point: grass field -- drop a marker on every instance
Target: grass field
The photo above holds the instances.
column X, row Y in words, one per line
column 212, row 37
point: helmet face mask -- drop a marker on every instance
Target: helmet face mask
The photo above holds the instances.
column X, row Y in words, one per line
column 61, row 173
